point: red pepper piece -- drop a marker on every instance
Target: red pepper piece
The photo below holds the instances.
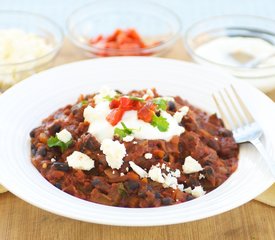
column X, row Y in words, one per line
column 114, row 104
column 137, row 105
column 115, row 116
column 126, row 40
column 126, row 103
column 146, row 112
column 96, row 40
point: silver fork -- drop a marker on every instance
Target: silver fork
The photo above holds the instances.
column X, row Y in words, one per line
column 237, row 118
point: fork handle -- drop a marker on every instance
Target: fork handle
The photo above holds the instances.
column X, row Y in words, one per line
column 260, row 147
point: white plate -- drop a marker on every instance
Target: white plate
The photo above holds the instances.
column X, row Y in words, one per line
column 26, row 104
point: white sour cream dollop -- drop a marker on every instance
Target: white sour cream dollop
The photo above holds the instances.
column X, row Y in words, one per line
column 102, row 129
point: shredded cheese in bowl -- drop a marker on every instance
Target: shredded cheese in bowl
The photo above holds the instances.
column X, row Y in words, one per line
column 22, row 54
column 28, row 44
column 17, row 46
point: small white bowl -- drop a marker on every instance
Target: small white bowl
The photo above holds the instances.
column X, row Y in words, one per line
column 158, row 26
column 11, row 73
column 232, row 26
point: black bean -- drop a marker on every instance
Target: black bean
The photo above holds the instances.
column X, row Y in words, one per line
column 133, row 185
column 90, row 144
column 61, row 166
column 42, row 151
column 166, row 157
column 142, row 194
column 33, row 149
column 213, row 144
column 33, row 152
column 181, row 147
column 157, row 195
column 208, row 171
column 171, row 106
column 167, row 201
column 193, row 182
column 189, row 197
column 158, row 145
column 75, row 108
column 58, row 115
column 225, row 132
column 95, row 182
column 207, row 163
column 32, row 133
column 158, row 113
column 58, row 185
column 53, row 129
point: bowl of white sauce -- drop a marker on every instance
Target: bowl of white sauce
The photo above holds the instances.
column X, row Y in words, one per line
column 28, row 44
column 240, row 44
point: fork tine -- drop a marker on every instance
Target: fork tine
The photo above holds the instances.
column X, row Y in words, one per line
column 244, row 108
column 230, row 113
column 222, row 113
column 236, row 110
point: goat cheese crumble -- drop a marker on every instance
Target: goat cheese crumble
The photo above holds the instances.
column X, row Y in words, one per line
column 140, row 171
column 191, row 165
column 155, row 174
column 181, row 113
column 198, row 191
column 114, row 152
column 148, row 155
column 79, row 160
column 64, row 136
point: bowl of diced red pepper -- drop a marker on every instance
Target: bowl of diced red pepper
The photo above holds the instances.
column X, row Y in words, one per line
column 123, row 28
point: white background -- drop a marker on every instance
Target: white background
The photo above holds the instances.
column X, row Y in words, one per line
column 189, row 11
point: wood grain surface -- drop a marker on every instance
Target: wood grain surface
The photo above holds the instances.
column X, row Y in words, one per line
column 20, row 220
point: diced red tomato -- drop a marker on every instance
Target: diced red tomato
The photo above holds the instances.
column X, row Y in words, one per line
column 126, row 103
column 113, row 36
column 96, row 40
column 119, row 106
column 136, row 105
column 133, row 34
column 146, row 112
column 125, row 40
column 112, row 45
column 114, row 103
column 129, row 46
column 122, row 38
column 115, row 116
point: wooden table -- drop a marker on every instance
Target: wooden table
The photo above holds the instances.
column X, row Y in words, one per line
column 20, row 220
